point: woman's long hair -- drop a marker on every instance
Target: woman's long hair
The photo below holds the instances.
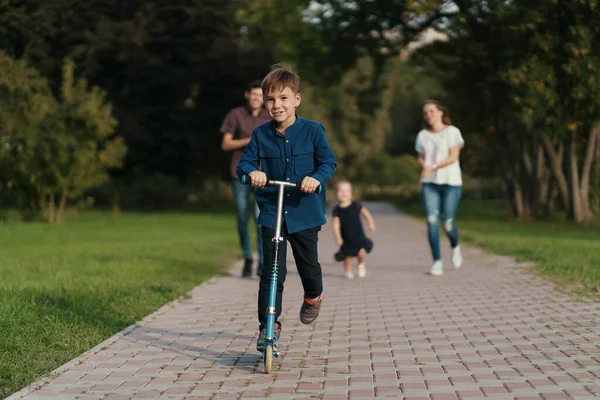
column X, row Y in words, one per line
column 446, row 120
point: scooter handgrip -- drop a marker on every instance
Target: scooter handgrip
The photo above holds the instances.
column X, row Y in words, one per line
column 317, row 190
column 243, row 180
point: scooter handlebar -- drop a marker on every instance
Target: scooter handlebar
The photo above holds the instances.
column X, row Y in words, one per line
column 246, row 181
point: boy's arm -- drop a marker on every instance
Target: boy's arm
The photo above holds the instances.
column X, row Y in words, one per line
column 368, row 217
column 250, row 159
column 325, row 162
column 337, row 231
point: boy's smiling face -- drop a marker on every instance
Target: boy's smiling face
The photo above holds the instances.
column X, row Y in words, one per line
column 281, row 106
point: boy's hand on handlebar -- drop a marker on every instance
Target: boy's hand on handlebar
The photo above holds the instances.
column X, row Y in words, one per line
column 258, row 179
column 309, row 184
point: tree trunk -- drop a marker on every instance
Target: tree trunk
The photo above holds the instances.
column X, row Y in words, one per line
column 51, row 209
column 543, row 180
column 507, row 191
column 527, row 184
column 551, row 200
column 556, row 161
column 586, row 172
column 576, row 213
column 61, row 209
column 519, row 203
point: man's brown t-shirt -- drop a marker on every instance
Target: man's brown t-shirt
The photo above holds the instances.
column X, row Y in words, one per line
column 240, row 123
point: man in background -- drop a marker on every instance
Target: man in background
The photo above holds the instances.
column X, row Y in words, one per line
column 237, row 130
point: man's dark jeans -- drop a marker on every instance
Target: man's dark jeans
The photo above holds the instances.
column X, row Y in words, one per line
column 304, row 248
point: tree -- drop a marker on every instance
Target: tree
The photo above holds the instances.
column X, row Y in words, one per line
column 54, row 148
column 26, row 103
column 80, row 147
column 555, row 83
column 171, row 71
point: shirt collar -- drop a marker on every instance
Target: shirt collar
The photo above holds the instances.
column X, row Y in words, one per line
column 293, row 127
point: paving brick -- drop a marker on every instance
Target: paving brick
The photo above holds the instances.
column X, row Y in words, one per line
column 478, row 331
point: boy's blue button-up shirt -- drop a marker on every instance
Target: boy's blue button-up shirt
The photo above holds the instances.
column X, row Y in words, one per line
column 302, row 151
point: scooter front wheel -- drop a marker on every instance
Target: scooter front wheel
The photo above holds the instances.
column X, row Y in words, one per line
column 268, row 357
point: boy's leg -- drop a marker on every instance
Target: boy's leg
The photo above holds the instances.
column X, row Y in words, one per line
column 241, row 193
column 265, row 279
column 304, row 246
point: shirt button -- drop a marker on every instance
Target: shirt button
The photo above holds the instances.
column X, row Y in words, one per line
column 287, row 141
column 287, row 159
column 287, row 179
column 286, row 212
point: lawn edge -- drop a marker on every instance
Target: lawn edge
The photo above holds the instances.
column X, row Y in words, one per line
column 561, row 284
column 42, row 381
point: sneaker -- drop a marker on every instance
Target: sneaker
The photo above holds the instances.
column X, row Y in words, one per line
column 457, row 258
column 259, row 269
column 261, row 341
column 437, row 269
column 349, row 275
column 362, row 270
column 310, row 310
column 247, row 271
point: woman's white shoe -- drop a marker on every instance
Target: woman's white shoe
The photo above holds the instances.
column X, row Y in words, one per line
column 457, row 258
column 437, row 269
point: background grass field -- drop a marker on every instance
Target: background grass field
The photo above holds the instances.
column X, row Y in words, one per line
column 566, row 252
column 64, row 289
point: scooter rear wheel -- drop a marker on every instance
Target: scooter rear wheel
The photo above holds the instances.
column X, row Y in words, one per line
column 268, row 357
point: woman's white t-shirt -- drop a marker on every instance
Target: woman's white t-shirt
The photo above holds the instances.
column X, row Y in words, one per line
column 436, row 148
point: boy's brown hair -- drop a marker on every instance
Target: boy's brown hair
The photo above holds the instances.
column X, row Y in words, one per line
column 280, row 78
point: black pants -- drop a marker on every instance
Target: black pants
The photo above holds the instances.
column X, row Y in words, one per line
column 304, row 248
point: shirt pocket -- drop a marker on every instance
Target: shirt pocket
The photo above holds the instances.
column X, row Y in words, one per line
column 270, row 160
column 304, row 161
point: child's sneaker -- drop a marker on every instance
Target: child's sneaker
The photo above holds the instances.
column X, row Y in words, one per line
column 457, row 258
column 437, row 268
column 310, row 310
column 261, row 341
column 349, row 275
column 362, row 270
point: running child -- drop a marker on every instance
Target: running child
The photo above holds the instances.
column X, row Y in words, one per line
column 348, row 230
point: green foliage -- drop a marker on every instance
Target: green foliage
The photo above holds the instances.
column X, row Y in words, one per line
column 26, row 104
column 385, row 170
column 90, row 148
column 54, row 147
column 555, row 79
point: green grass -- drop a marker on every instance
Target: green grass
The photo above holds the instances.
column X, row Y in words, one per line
column 64, row 289
column 567, row 252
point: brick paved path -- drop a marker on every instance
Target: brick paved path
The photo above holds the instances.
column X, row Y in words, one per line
column 487, row 330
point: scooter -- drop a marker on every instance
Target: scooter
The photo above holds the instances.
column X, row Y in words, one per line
column 270, row 340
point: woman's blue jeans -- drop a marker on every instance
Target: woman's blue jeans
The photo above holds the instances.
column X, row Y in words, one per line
column 243, row 208
column 440, row 201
